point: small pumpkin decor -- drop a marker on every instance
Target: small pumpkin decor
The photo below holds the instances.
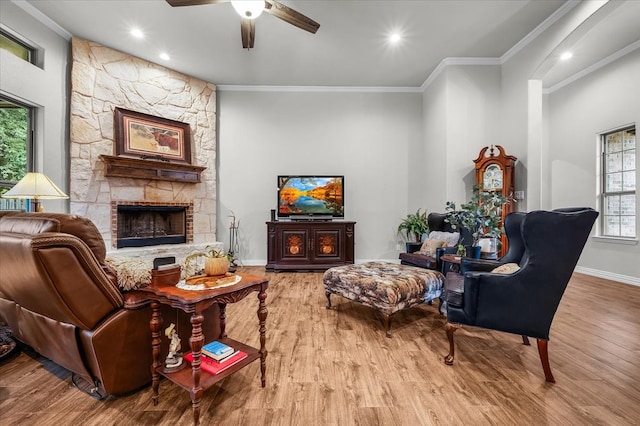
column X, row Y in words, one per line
column 216, row 266
column 216, row 262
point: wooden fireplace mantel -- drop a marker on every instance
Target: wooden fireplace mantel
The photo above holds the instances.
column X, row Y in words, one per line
column 151, row 169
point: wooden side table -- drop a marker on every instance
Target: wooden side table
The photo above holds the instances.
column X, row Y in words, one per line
column 452, row 259
column 195, row 302
column 453, row 282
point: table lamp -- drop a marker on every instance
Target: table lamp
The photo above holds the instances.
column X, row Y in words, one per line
column 35, row 186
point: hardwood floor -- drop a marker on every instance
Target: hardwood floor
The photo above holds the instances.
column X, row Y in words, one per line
column 336, row 367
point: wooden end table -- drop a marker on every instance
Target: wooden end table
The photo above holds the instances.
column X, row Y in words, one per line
column 453, row 280
column 453, row 259
column 195, row 302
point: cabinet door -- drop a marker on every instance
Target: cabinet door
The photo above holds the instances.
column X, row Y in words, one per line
column 294, row 245
column 327, row 244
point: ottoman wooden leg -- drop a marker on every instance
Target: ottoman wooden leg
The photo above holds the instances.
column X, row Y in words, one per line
column 328, row 299
column 388, row 324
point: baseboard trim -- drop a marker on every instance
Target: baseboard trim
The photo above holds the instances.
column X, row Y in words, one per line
column 609, row 275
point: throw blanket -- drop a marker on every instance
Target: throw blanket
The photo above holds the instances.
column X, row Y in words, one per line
column 132, row 273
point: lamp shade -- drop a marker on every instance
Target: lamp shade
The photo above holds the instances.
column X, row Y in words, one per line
column 36, row 186
column 248, row 9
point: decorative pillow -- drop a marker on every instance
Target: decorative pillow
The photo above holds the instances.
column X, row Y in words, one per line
column 450, row 238
column 507, row 268
column 429, row 247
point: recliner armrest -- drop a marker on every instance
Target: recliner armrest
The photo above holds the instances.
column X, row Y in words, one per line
column 135, row 299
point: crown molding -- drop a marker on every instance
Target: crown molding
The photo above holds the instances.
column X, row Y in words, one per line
column 592, row 68
column 48, row 22
column 555, row 16
column 342, row 89
column 544, row 25
column 456, row 61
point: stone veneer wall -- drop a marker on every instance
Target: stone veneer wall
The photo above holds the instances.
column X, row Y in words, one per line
column 102, row 79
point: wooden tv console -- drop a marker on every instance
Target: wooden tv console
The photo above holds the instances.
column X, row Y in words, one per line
column 309, row 245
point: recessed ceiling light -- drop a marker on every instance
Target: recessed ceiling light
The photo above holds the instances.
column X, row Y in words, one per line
column 566, row 55
column 164, row 56
column 137, row 33
column 394, row 38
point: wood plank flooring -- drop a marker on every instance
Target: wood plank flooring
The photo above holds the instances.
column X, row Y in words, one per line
column 336, row 367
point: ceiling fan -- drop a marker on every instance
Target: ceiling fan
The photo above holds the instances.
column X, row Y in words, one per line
column 249, row 10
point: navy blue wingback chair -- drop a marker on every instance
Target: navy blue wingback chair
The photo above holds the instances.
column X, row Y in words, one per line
column 526, row 301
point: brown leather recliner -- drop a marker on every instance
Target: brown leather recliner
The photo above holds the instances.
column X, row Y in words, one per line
column 59, row 297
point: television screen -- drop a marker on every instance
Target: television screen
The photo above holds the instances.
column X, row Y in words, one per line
column 310, row 196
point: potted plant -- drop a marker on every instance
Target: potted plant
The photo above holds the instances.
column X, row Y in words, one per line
column 481, row 216
column 216, row 262
column 413, row 226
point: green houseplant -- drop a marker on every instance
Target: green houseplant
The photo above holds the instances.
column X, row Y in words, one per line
column 413, row 226
column 482, row 215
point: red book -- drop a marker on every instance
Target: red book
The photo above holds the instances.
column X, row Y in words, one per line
column 214, row 367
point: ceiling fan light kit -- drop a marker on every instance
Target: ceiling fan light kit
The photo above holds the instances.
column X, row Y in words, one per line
column 249, row 10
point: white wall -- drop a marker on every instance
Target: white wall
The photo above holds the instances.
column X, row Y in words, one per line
column 461, row 116
column 367, row 137
column 42, row 87
column 435, row 158
column 579, row 112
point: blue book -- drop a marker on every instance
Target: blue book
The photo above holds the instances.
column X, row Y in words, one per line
column 217, row 350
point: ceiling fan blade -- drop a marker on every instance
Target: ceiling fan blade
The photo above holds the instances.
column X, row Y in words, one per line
column 177, row 3
column 289, row 15
column 248, row 28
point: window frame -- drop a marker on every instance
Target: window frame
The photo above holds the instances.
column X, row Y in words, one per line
column 604, row 194
column 30, row 142
column 31, row 50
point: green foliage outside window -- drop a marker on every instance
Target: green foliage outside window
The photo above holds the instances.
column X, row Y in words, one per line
column 13, row 144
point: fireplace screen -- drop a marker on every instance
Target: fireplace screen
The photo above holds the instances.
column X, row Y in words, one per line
column 151, row 225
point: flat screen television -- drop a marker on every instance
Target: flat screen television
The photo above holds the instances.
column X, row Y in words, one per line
column 302, row 196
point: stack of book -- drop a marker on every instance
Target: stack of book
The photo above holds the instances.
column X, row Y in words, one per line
column 216, row 357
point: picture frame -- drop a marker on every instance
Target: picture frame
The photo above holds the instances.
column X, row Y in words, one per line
column 139, row 135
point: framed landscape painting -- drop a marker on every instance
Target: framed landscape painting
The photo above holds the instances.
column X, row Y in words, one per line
column 145, row 136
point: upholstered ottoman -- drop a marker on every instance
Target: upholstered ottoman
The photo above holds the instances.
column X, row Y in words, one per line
column 386, row 287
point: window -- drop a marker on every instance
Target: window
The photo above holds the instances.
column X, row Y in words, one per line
column 619, row 183
column 16, row 47
column 15, row 148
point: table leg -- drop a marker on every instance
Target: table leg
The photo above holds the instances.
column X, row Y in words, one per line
column 195, row 341
column 223, row 319
column 262, row 317
column 154, row 324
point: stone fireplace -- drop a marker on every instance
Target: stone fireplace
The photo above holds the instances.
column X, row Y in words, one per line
column 141, row 224
column 103, row 79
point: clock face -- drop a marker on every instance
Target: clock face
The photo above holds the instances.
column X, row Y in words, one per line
column 492, row 178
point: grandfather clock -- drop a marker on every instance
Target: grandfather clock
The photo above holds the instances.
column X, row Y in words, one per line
column 495, row 173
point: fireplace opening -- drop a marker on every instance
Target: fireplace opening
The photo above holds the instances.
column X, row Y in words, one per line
column 142, row 225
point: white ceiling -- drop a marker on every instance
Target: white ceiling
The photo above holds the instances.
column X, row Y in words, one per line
column 349, row 49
